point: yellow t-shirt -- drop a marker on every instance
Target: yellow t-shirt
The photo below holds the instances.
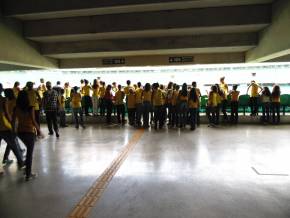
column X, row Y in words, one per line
column 67, row 92
column 11, row 104
column 174, row 97
column 25, row 123
column 5, row 124
column 147, row 96
column 15, row 91
column 213, row 99
column 182, row 98
column 158, row 98
column 127, row 88
column 254, row 90
column 193, row 104
column 41, row 89
column 76, row 100
column 131, row 101
column 138, row 94
column 33, row 99
column 119, row 97
column 86, row 90
column 235, row 95
column 224, row 88
column 96, row 92
column 61, row 102
column 276, row 99
column 102, row 91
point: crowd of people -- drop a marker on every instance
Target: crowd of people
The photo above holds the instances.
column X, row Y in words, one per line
column 149, row 105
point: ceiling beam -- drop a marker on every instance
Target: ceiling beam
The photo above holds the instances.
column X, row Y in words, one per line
column 150, row 21
column 47, row 9
column 199, row 44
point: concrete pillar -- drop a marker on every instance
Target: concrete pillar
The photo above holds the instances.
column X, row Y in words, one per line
column 274, row 40
column 17, row 51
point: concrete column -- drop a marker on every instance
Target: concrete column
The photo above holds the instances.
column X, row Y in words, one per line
column 17, row 51
column 274, row 40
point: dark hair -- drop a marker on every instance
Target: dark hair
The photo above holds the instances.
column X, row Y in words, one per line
column 95, row 84
column 276, row 91
column 170, row 84
column 119, row 87
column 62, row 91
column 128, row 82
column 9, row 94
column 16, row 84
column 177, row 87
column 193, row 95
column 58, row 83
column 147, row 87
column 235, row 87
column 183, row 91
column 266, row 91
column 109, row 87
column 193, row 84
column 139, row 84
column 214, row 88
column 22, row 101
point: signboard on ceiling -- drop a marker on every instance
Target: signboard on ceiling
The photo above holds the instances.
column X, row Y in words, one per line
column 181, row 59
column 113, row 61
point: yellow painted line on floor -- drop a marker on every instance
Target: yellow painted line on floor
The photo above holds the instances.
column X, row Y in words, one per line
column 89, row 200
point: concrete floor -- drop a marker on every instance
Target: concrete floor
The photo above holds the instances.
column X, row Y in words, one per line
column 170, row 173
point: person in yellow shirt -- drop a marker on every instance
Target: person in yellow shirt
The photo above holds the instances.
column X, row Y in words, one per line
column 26, row 127
column 158, row 104
column 41, row 88
column 194, row 85
column 102, row 91
column 67, row 91
column 224, row 90
column 254, row 97
column 16, row 88
column 212, row 110
column 95, row 97
column 6, row 129
column 234, row 104
column 147, row 104
column 86, row 92
column 175, row 104
column 11, row 104
column 76, row 103
column 193, row 103
column 182, row 99
column 139, row 104
column 131, row 105
column 168, row 101
column 119, row 103
column 34, row 101
column 127, row 88
column 61, row 100
column 276, row 104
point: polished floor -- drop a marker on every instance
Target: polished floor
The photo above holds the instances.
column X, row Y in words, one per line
column 241, row 171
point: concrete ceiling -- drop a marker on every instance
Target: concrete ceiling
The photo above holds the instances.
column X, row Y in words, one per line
column 110, row 28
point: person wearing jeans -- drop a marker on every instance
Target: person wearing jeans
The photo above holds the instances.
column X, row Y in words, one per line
column 6, row 129
column 51, row 105
column 193, row 103
column 27, row 125
column 76, row 103
column 119, row 103
column 95, row 97
column 276, row 104
column 234, row 104
column 147, row 106
column 139, row 104
column 254, row 97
